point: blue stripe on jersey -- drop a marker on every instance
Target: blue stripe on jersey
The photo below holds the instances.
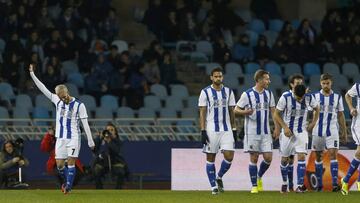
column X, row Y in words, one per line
column 248, row 94
column 68, row 121
column 223, row 93
column 266, row 112
column 331, row 104
column 299, row 129
column 321, row 115
column 78, row 116
column 357, row 89
column 207, row 97
column 292, row 118
column 258, row 113
column 62, row 111
column 216, row 110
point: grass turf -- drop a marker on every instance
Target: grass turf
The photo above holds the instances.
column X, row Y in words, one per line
column 158, row 196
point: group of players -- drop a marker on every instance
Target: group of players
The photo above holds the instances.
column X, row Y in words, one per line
column 292, row 125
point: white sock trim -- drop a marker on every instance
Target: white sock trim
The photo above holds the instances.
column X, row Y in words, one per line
column 334, row 161
column 226, row 161
column 318, row 163
column 211, row 163
column 71, row 166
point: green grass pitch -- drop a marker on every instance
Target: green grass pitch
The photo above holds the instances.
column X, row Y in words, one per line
column 158, row 196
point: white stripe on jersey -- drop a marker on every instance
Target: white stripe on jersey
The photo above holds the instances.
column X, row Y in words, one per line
column 258, row 122
column 217, row 103
column 68, row 120
column 327, row 124
column 295, row 113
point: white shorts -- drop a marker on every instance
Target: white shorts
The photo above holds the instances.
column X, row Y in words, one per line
column 355, row 126
column 219, row 140
column 298, row 143
column 65, row 148
column 325, row 142
column 258, row 143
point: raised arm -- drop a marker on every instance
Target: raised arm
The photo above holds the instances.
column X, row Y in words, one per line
column 40, row 85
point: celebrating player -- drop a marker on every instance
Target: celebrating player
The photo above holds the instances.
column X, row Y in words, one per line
column 326, row 131
column 69, row 113
column 255, row 104
column 217, row 123
column 294, row 137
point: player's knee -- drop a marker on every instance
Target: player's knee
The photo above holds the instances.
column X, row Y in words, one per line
column 301, row 157
column 319, row 156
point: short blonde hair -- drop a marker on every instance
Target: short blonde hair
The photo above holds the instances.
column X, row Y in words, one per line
column 61, row 87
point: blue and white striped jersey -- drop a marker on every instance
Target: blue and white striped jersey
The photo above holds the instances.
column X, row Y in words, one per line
column 258, row 122
column 294, row 112
column 327, row 123
column 355, row 92
column 68, row 118
column 217, row 103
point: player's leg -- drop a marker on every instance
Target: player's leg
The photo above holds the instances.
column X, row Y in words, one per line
column 318, row 146
column 60, row 157
column 353, row 167
column 290, row 172
column 286, row 149
column 227, row 144
column 211, row 149
column 73, row 149
column 334, row 167
column 358, row 181
column 253, row 171
column 266, row 150
column 301, row 145
column 284, row 173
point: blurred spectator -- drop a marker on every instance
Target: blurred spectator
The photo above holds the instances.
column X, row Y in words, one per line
column 171, row 28
column 307, row 31
column 155, row 50
column 352, row 23
column 34, row 44
column 48, row 145
column 287, row 32
column 168, row 70
column 342, row 50
column 72, row 46
column 11, row 70
column 265, row 9
column 44, row 23
column 188, row 27
column 262, row 50
column 24, row 21
column 220, row 49
column 114, row 57
column 356, row 49
column 109, row 158
column 242, row 51
column 10, row 161
column 304, row 51
column 54, row 46
column 152, row 71
column 134, row 55
column 280, row 52
column 98, row 46
column 153, row 17
column 138, row 87
column 67, row 21
column 52, row 77
column 14, row 46
column 109, row 27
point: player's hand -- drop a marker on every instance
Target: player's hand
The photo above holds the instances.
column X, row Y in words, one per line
column 21, row 162
column 234, row 131
column 15, row 160
column 343, row 137
column 288, row 132
column 353, row 112
column 310, row 127
column 248, row 112
column 276, row 133
column 31, row 68
column 204, row 137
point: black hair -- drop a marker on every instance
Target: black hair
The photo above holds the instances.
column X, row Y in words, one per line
column 300, row 90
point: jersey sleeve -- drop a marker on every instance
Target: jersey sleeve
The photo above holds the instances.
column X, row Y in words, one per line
column 232, row 98
column 82, row 111
column 203, row 99
column 341, row 104
column 272, row 100
column 281, row 104
column 313, row 102
column 353, row 91
column 243, row 101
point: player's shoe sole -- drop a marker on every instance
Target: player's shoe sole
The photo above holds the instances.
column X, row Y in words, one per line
column 220, row 184
column 283, row 189
column 300, row 189
column 254, row 190
column 344, row 188
column 259, row 184
column 215, row 191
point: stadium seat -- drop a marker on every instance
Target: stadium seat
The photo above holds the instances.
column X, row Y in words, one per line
column 73, row 90
column 184, row 46
column 317, row 25
column 314, row 82
column 311, row 69
column 174, row 102
column 331, row 68
column 253, row 37
column 23, row 101
column 2, row 46
column 233, row 69
column 89, row 101
column 291, row 69
column 350, row 70
column 6, row 91
column 69, row 67
column 276, row 25
column 276, row 82
column 4, row 114
column 271, row 37
column 341, row 82
column 159, row 90
column 23, row 114
column 190, row 113
column 179, row 91
column 109, row 102
column 248, row 81
column 251, row 68
column 121, row 45
column 231, row 81
column 244, row 14
column 198, row 57
column 273, row 68
column 257, row 26
column 125, row 112
column 76, row 79
column 192, row 102
column 152, row 102
column 40, row 112
column 168, row 113
column 295, row 23
column 42, row 101
column 210, row 66
column 205, row 47
column 103, row 113
column 145, row 112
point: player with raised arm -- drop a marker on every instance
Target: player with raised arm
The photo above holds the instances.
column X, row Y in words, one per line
column 326, row 132
column 218, row 130
column 69, row 112
column 256, row 104
column 355, row 126
column 294, row 108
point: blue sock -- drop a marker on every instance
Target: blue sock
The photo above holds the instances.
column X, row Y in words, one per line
column 225, row 165
column 284, row 173
column 210, row 170
column 353, row 166
column 334, row 172
column 253, row 173
column 359, row 175
column 62, row 172
column 300, row 173
column 290, row 175
column 319, row 173
column 70, row 176
column 263, row 168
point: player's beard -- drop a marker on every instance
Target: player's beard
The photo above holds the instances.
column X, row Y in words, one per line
column 218, row 83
